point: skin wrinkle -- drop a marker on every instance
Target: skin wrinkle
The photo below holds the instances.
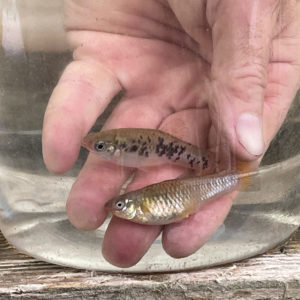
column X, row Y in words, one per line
column 168, row 21
column 196, row 27
column 254, row 82
column 81, row 54
column 244, row 36
column 141, row 34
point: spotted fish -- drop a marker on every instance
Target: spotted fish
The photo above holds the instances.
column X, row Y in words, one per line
column 138, row 147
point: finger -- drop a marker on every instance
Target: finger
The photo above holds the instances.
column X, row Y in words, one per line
column 284, row 71
column 125, row 243
column 279, row 96
column 184, row 238
column 97, row 182
column 242, row 33
column 82, row 93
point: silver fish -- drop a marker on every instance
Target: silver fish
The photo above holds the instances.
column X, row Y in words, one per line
column 173, row 200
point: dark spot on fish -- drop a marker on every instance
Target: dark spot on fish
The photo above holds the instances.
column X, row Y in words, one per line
column 147, row 154
column 163, row 151
column 133, row 148
column 141, row 137
column 198, row 162
column 177, row 158
column 188, row 156
column 142, row 150
column 123, row 145
column 169, row 155
column 149, row 140
column 133, row 141
column 182, row 149
column 159, row 146
column 282, row 250
column 204, row 163
column 144, row 143
column 191, row 162
column 169, row 150
column 160, row 140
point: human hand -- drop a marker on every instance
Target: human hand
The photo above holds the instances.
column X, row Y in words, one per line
column 190, row 69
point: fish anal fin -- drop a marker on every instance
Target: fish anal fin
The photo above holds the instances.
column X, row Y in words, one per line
column 185, row 214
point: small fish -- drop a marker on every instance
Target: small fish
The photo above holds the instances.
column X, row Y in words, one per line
column 173, row 200
column 138, row 147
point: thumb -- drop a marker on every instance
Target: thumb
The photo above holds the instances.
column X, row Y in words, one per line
column 242, row 32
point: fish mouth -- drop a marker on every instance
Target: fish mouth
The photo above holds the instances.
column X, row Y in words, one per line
column 87, row 141
column 84, row 143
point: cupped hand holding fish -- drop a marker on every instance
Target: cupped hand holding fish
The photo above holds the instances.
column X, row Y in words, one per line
column 191, row 68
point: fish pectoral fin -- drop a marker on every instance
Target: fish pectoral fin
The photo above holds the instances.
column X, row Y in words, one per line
column 145, row 208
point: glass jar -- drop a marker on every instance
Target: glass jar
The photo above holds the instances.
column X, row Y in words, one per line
column 32, row 201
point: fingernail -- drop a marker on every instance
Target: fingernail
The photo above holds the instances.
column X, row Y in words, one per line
column 249, row 133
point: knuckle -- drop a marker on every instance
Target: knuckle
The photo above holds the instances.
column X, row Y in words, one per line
column 253, row 74
column 246, row 83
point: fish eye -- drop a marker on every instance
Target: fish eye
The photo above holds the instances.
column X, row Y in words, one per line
column 120, row 204
column 100, row 146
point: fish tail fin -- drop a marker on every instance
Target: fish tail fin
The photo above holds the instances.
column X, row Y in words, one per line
column 247, row 173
